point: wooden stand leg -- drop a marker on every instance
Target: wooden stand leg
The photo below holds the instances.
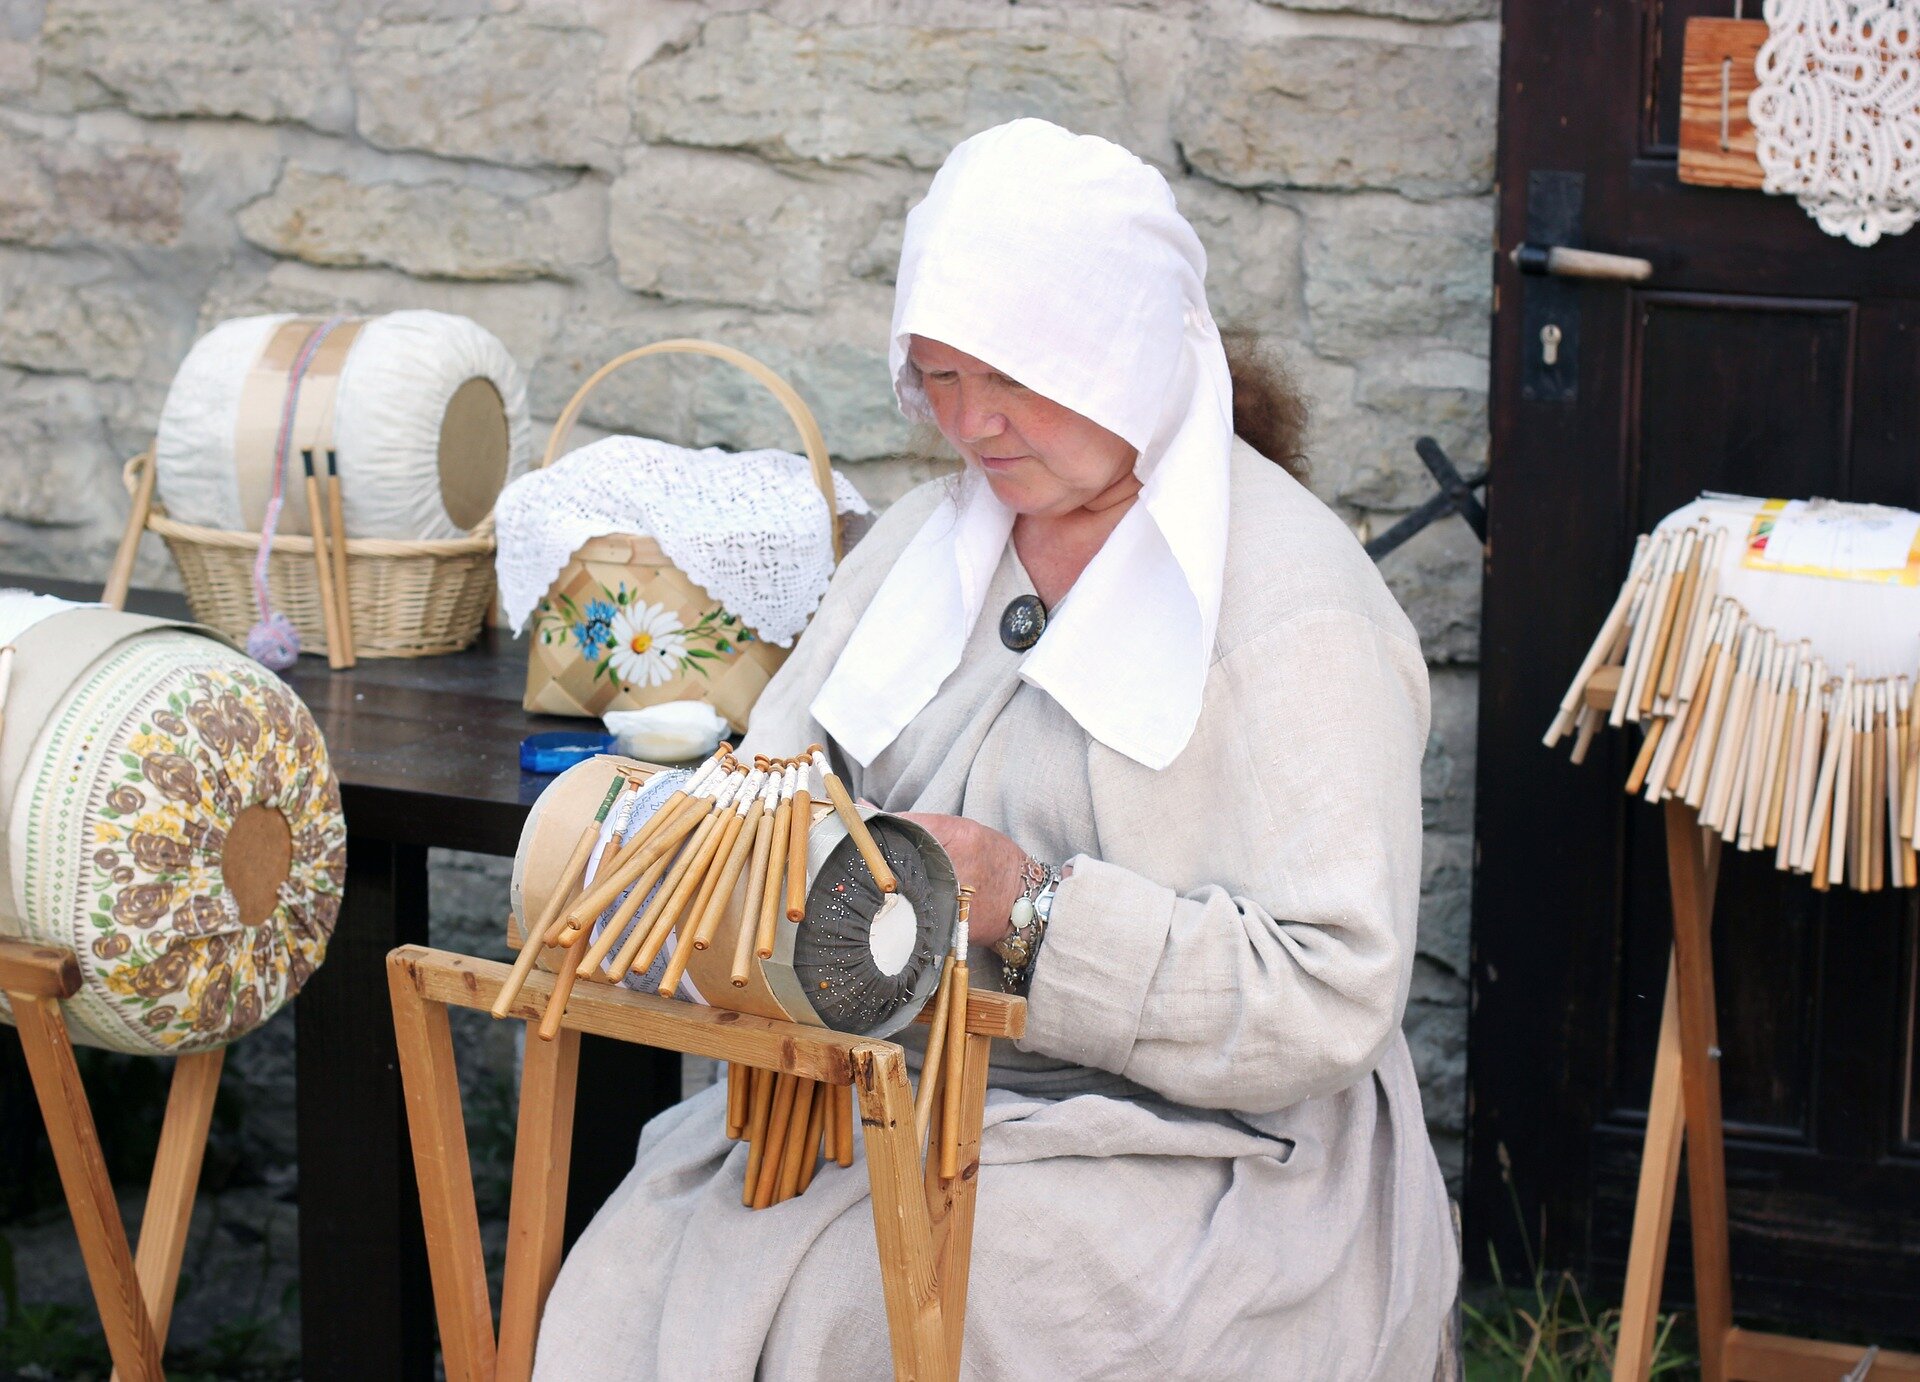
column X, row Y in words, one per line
column 83, row 1175
column 176, row 1176
column 542, row 1151
column 1653, row 1207
column 950, row 1203
column 907, row 1271
column 1692, row 861
column 445, row 1176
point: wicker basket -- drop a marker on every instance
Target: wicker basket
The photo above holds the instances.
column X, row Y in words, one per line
column 408, row 599
column 630, row 570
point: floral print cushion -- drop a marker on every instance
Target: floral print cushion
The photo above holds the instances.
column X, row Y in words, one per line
column 117, row 839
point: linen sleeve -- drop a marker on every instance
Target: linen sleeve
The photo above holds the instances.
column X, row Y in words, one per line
column 1287, row 978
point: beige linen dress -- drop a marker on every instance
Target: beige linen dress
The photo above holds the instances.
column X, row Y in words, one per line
column 1207, row 1157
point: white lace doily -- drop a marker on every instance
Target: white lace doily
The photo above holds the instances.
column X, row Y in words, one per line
column 750, row 527
column 1837, row 113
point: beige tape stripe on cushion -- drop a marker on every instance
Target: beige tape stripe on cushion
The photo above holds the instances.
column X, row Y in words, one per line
column 256, row 426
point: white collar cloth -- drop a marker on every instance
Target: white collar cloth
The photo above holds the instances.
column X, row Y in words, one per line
column 1061, row 261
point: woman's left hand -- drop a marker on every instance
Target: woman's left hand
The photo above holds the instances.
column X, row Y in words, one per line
column 984, row 860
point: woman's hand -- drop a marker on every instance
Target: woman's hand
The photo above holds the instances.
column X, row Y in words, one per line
column 984, row 860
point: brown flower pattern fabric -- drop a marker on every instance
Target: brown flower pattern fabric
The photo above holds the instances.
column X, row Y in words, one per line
column 176, row 735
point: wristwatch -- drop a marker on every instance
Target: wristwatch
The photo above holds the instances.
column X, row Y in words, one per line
column 1020, row 947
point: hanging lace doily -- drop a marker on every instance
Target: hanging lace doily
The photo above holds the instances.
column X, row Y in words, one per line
column 750, row 527
column 1837, row 112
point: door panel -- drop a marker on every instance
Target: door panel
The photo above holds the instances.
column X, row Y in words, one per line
column 1763, row 357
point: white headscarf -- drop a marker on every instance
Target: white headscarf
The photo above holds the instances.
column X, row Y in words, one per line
column 1061, row 261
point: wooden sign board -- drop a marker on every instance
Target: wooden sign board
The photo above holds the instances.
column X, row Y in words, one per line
column 1716, row 78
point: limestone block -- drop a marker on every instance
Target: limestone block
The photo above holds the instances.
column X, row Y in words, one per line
column 1313, row 110
column 1436, row 1030
column 1446, row 775
column 257, row 59
column 1364, row 429
column 1446, row 898
column 883, row 91
column 58, row 457
column 58, row 328
column 60, row 191
column 522, row 88
column 1420, row 11
column 1436, row 578
column 432, row 229
column 1253, row 256
column 836, row 359
column 1381, row 269
column 691, row 225
column 523, row 315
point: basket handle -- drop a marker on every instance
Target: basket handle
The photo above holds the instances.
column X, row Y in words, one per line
column 810, row 434
column 138, row 475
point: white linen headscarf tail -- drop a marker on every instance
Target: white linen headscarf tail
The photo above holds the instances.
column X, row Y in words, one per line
column 1061, row 261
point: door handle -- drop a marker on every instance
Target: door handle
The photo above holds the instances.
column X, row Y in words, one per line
column 1563, row 261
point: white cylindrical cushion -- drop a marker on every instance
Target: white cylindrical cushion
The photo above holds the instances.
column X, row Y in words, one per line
column 426, row 405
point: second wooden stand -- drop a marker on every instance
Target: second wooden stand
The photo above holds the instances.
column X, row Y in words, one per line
column 924, row 1224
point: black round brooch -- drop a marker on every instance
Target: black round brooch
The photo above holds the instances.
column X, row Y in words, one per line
column 1022, row 623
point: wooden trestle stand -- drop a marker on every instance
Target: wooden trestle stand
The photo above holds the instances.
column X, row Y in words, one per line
column 134, row 1293
column 924, row 1224
column 1685, row 1108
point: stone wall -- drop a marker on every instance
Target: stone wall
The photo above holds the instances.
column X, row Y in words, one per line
column 585, row 175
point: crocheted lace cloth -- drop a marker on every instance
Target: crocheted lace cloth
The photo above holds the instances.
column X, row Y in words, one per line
column 1837, row 112
column 750, row 527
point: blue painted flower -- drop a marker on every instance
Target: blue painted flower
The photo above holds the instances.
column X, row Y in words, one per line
column 595, row 631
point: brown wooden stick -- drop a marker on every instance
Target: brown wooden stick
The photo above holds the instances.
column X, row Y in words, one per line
column 317, row 525
column 660, row 835
column 843, row 1099
column 562, row 989
column 817, row 1124
column 688, row 871
column 1696, row 708
column 773, row 1145
column 1783, row 754
column 754, row 904
column 1644, row 760
column 931, row 1062
column 1667, row 670
column 1663, row 655
column 760, row 1111
column 799, row 823
column 778, row 846
column 746, row 835
column 737, row 1099
column 1570, row 704
column 795, row 1148
column 956, row 1052
column 1833, row 717
column 856, row 827
column 343, row 596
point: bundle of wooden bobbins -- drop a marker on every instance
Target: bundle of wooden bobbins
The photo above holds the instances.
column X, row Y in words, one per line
column 680, row 885
column 1776, row 748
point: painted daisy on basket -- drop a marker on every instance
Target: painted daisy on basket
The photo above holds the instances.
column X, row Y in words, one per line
column 649, row 646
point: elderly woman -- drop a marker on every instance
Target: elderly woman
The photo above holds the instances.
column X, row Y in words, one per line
column 1158, row 706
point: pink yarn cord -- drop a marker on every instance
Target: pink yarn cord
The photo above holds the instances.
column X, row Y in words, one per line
column 272, row 519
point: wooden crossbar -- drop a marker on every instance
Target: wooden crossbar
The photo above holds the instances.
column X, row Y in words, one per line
column 923, row 1225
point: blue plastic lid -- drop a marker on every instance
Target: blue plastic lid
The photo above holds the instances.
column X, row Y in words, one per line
column 559, row 749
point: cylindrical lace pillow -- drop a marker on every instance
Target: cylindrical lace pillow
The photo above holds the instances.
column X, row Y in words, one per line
column 426, row 412
column 858, row 961
column 171, row 817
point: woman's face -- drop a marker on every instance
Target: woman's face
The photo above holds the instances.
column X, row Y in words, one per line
column 1040, row 457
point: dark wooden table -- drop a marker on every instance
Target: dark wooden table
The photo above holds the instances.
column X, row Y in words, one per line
column 427, row 751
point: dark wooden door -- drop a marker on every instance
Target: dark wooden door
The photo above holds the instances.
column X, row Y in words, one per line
column 1761, row 357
